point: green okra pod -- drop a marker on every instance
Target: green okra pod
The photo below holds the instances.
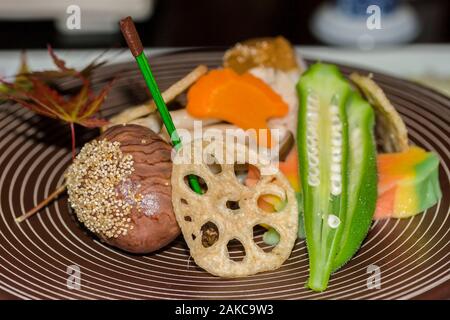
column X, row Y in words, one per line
column 338, row 171
column 323, row 148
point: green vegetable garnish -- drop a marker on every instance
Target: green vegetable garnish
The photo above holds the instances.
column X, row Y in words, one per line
column 332, row 166
column 362, row 179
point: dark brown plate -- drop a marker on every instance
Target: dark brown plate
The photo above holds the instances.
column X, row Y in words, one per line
column 412, row 254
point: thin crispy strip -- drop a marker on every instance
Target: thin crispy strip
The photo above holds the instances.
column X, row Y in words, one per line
column 174, row 90
column 390, row 129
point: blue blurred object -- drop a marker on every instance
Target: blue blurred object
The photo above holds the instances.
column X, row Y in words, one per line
column 359, row 7
column 352, row 23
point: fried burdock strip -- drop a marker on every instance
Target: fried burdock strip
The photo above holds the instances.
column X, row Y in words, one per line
column 390, row 129
column 170, row 94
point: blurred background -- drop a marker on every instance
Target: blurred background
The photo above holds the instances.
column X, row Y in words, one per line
column 406, row 38
column 179, row 23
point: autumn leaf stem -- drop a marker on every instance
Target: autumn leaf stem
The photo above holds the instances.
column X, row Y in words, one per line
column 72, row 131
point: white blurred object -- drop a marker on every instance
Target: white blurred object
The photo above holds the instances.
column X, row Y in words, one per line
column 332, row 26
column 96, row 16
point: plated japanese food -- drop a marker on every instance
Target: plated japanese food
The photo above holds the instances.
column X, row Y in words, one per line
column 313, row 154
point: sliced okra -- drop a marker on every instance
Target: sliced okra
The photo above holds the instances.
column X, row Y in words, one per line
column 362, row 178
column 337, row 158
column 323, row 148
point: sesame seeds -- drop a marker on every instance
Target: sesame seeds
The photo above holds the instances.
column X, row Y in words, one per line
column 92, row 180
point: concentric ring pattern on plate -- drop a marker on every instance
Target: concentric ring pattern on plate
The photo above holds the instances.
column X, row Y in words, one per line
column 412, row 254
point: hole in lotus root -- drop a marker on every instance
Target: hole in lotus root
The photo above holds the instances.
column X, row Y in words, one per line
column 201, row 182
column 271, row 203
column 210, row 234
column 233, row 205
column 236, row 250
column 193, row 237
column 187, row 218
column 212, row 163
column 265, row 237
column 247, row 174
column 184, row 201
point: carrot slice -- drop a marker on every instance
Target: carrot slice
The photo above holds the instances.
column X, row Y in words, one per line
column 243, row 100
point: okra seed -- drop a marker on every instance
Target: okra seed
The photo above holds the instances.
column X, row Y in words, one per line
column 313, row 161
column 313, row 177
column 336, row 168
column 337, row 128
column 336, row 177
column 312, row 115
column 333, row 221
column 311, row 142
column 312, row 139
column 336, row 142
column 336, row 187
column 313, row 181
column 334, row 109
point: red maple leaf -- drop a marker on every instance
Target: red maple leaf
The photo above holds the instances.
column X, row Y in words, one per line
column 34, row 93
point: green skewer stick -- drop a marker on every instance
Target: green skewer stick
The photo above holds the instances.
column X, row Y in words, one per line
column 134, row 43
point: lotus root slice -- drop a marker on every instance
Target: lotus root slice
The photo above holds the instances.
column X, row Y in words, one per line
column 194, row 210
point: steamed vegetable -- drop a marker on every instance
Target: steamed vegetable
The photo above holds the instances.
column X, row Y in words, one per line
column 243, row 100
column 289, row 167
column 408, row 183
